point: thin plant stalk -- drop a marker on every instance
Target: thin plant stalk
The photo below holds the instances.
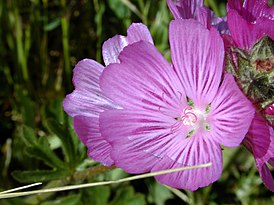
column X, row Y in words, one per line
column 99, row 11
column 72, row 187
column 65, row 41
column 19, row 43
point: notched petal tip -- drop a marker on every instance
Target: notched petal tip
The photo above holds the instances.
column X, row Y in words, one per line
column 114, row 46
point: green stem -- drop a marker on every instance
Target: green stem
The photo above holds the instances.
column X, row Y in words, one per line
column 65, row 41
column 99, row 11
column 44, row 46
column 91, row 172
column 19, row 42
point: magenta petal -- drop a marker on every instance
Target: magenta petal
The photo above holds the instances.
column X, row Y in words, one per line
column 260, row 142
column 269, row 110
column 199, row 151
column 234, row 4
column 267, row 177
column 258, row 138
column 241, row 30
column 261, row 162
column 245, row 33
column 259, row 8
column 173, row 8
column 271, row 161
column 265, row 26
column 87, row 128
column 231, row 114
column 143, row 79
column 113, row 47
column 197, row 55
column 184, row 9
column 204, row 15
column 87, row 98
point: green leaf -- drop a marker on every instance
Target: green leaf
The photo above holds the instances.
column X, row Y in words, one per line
column 27, row 106
column 62, row 131
column 96, row 195
column 29, row 136
column 230, row 67
column 119, row 8
column 39, row 175
column 40, row 149
column 12, row 201
column 72, row 199
column 53, row 24
column 54, row 109
column 127, row 196
column 158, row 194
column 43, row 152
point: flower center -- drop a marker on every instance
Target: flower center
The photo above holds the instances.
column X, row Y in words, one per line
column 195, row 119
column 188, row 116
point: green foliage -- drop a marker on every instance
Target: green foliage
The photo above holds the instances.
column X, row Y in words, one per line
column 96, row 195
column 126, row 195
column 39, row 175
column 158, row 194
column 73, row 199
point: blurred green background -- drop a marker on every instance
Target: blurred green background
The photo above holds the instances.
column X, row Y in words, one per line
column 40, row 42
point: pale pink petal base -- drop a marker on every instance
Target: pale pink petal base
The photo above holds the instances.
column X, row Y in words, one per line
column 136, row 134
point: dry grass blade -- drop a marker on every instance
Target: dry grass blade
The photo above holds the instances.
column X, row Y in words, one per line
column 20, row 188
column 71, row 187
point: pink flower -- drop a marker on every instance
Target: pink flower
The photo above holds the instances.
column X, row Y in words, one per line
column 87, row 101
column 195, row 9
column 250, row 21
column 173, row 115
